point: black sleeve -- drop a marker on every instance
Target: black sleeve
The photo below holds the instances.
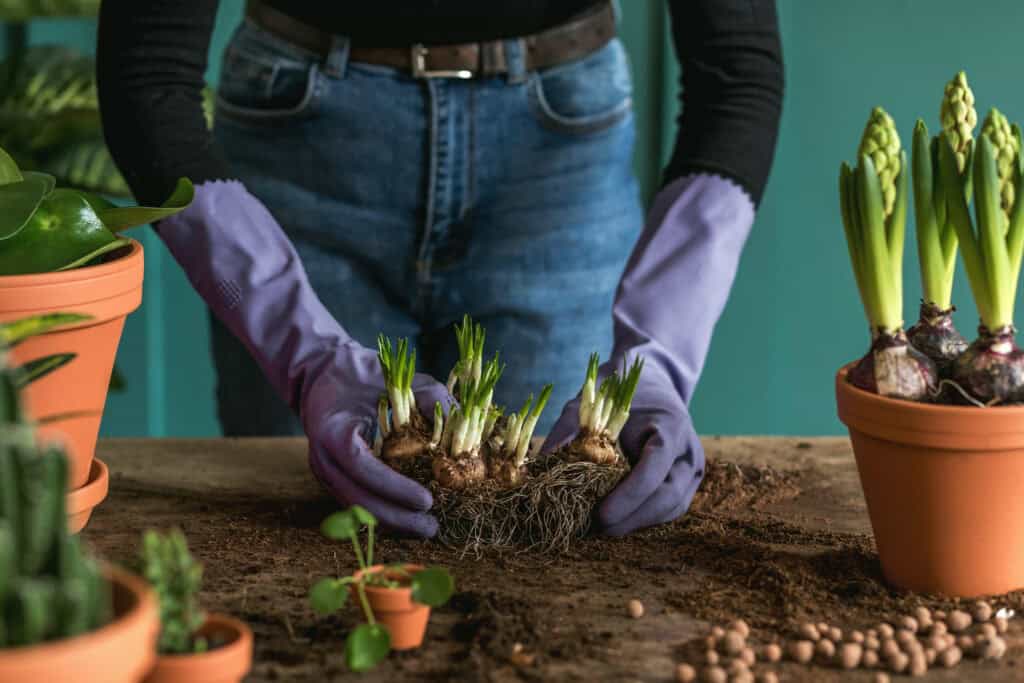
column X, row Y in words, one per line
column 150, row 62
column 730, row 54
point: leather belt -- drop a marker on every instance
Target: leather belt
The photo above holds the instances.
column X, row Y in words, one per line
column 571, row 40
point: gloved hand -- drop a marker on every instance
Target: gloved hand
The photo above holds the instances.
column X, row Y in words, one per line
column 244, row 267
column 671, row 295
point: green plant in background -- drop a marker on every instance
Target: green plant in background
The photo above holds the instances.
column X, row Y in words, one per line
column 176, row 577
column 370, row 643
column 14, row 332
column 49, row 588
column 22, row 10
column 44, row 228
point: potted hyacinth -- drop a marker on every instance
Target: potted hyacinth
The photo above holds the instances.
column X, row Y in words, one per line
column 63, row 250
column 940, row 424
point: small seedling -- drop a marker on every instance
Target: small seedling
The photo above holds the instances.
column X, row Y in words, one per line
column 370, row 643
column 166, row 563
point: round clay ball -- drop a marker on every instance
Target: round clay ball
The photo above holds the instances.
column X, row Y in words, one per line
column 857, row 637
column 747, row 656
column 1002, row 623
column 939, row 628
column 923, row 615
column 737, row 666
column 898, row 663
column 636, row 609
column 809, row 631
column 905, row 636
column 822, row 628
column 711, row 658
column 881, row 678
column 850, row 655
column 801, row 651
column 768, row 677
column 714, row 674
column 909, row 624
column 835, row 634
column 740, row 627
column 772, row 653
column 929, row 655
column 950, row 657
column 869, row 660
column 825, row 648
column 685, row 674
column 982, row 611
column 733, row 642
column 717, row 632
column 994, row 648
column 885, row 631
column 938, row 615
column 958, row 621
column 890, row 648
column 744, row 677
column 918, row 664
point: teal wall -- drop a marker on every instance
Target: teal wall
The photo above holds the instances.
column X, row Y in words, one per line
column 793, row 316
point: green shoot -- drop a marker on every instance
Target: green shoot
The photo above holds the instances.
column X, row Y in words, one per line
column 470, row 338
column 368, row 644
column 466, row 425
column 399, row 367
column 607, row 409
column 517, row 432
column 992, row 242
column 873, row 200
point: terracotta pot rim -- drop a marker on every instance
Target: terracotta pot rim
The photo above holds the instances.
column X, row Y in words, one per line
column 239, row 647
column 117, row 265
column 936, row 410
column 95, row 489
column 144, row 602
column 378, row 590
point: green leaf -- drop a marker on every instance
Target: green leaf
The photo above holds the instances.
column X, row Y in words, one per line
column 366, row 647
column 19, row 201
column 121, row 218
column 9, row 172
column 40, row 367
column 432, row 586
column 98, row 203
column 328, row 595
column 85, row 260
column 363, row 516
column 16, row 331
column 340, row 526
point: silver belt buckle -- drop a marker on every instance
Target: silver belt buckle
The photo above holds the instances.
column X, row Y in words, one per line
column 419, row 66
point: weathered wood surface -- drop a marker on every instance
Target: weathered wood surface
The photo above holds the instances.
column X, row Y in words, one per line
column 258, row 498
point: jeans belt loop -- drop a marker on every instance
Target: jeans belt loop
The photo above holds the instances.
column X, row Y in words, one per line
column 337, row 57
column 515, row 60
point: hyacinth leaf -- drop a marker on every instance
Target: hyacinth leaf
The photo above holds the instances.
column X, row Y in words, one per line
column 366, row 647
column 960, row 219
column 432, row 586
column 896, row 229
column 851, row 229
column 876, row 261
column 16, row 331
column 992, row 234
column 122, row 218
column 929, row 246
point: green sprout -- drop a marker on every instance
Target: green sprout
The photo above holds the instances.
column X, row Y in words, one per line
column 873, row 202
column 992, row 242
column 606, row 408
column 168, row 566
column 469, row 424
column 470, row 339
column 368, row 644
column 399, row 367
column 517, row 431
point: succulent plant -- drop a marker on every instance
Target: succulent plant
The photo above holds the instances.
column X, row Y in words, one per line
column 166, row 563
column 49, row 588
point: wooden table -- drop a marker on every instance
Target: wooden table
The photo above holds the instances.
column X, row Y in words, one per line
column 251, row 509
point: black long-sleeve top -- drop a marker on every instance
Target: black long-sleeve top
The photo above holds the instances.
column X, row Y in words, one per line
column 152, row 56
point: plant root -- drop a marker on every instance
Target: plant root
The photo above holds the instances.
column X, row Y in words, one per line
column 550, row 509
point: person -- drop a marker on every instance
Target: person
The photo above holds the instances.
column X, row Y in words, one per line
column 391, row 166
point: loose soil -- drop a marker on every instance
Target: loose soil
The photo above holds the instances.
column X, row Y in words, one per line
column 777, row 534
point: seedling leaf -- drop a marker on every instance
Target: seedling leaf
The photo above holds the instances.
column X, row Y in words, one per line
column 9, row 172
column 340, row 526
column 121, row 218
column 366, row 646
column 16, row 331
column 40, row 367
column 328, row 595
column 19, row 202
column 363, row 516
column 432, row 586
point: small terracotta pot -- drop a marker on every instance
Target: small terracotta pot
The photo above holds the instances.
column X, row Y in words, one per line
column 228, row 662
column 405, row 620
column 81, row 501
column 120, row 652
column 943, row 490
column 108, row 293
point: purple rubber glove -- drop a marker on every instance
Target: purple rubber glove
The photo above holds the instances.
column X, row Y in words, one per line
column 247, row 271
column 671, row 295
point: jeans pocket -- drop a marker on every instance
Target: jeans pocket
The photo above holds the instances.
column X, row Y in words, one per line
column 584, row 96
column 265, row 79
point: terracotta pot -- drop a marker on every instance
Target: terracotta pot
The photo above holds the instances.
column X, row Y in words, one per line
column 405, row 620
column 81, row 501
column 226, row 663
column 943, row 490
column 120, row 652
column 107, row 292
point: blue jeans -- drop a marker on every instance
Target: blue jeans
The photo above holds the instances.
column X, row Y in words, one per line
column 413, row 202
